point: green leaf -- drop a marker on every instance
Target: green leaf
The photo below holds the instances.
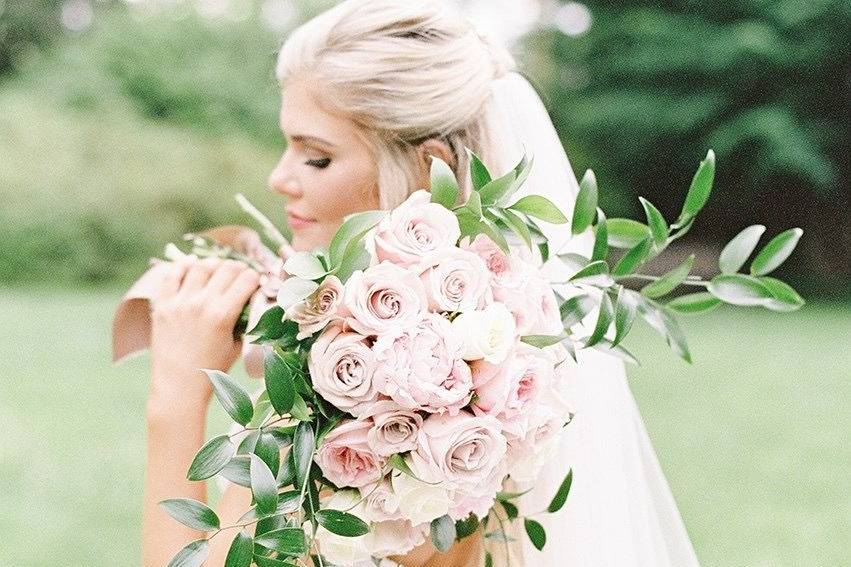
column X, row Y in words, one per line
column 474, row 205
column 586, row 203
column 248, row 443
column 739, row 289
column 270, row 325
column 626, row 233
column 399, row 463
column 510, row 509
column 604, row 320
column 264, row 487
column 633, row 258
column 289, row 541
column 279, row 382
column 238, row 471
column 293, row 290
column 478, row 172
column 233, row 398
column 444, row 185
column 516, row 224
column 542, row 341
column 670, row 281
column 785, row 298
column 775, row 252
column 192, row 513
column 352, row 230
column 625, row 311
column 211, row 458
column 498, row 188
column 443, row 533
column 736, row 252
column 596, row 273
column 601, row 237
column 561, row 495
column 540, row 208
column 619, row 351
column 304, row 265
column 664, row 323
column 535, row 531
column 300, row 411
column 576, row 308
column 263, row 561
column 193, row 555
column 466, row 527
column 694, row 303
column 342, row 523
column 241, row 551
column 701, row 186
column 267, row 449
column 656, row 222
column 304, row 444
column 574, row 262
column 488, row 559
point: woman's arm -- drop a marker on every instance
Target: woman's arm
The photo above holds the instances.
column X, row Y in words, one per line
column 192, row 324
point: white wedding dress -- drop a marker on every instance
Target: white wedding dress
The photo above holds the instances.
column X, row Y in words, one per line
column 620, row 511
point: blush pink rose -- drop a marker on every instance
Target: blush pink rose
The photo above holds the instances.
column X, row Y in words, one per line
column 414, row 229
column 535, row 446
column 454, row 279
column 318, row 309
column 421, row 367
column 384, row 298
column 509, row 391
column 466, row 504
column 346, row 458
column 342, row 368
column 394, row 430
column 463, row 450
column 380, row 503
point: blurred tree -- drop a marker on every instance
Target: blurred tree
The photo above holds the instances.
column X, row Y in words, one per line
column 26, row 25
column 652, row 85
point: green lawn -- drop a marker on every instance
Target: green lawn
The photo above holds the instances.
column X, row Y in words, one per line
column 753, row 437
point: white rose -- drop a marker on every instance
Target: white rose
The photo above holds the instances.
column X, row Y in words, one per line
column 340, row 550
column 394, row 537
column 488, row 334
column 420, row 502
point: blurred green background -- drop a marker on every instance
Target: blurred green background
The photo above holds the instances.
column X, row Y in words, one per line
column 126, row 123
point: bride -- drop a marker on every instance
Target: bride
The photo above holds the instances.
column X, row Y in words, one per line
column 371, row 89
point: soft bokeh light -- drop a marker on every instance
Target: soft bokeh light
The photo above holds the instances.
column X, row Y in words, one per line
column 572, row 18
column 279, row 15
column 503, row 20
column 76, row 15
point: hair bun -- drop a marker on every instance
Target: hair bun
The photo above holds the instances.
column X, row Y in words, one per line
column 503, row 61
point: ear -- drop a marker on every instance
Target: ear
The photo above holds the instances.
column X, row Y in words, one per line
column 425, row 151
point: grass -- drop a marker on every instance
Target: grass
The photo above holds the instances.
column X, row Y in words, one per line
column 753, row 437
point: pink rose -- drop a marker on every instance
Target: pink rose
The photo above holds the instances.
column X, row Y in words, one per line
column 496, row 261
column 394, row 537
column 342, row 368
column 415, row 228
column 384, row 298
column 462, row 450
column 421, row 367
column 394, row 429
column 535, row 446
column 455, row 280
column 509, row 391
column 466, row 504
column 345, row 457
column 318, row 309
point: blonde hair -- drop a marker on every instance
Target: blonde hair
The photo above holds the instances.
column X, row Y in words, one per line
column 403, row 72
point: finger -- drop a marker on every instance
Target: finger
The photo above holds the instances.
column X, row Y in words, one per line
column 241, row 290
column 224, row 275
column 174, row 275
column 198, row 275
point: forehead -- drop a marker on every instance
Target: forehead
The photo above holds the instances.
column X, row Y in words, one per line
column 302, row 116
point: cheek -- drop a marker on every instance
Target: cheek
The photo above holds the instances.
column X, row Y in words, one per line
column 344, row 191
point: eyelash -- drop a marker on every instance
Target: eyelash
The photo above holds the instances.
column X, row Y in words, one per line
column 319, row 163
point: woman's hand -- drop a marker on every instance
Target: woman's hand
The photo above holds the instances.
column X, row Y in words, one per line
column 192, row 325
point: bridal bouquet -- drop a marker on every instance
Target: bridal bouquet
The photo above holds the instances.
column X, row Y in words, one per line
column 413, row 365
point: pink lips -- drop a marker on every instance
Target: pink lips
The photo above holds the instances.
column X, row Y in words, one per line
column 297, row 222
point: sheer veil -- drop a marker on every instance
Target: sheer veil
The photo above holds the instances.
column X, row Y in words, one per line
column 620, row 511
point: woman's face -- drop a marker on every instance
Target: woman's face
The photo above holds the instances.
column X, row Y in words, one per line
column 326, row 172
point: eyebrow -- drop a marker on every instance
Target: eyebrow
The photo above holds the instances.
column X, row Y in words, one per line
column 304, row 138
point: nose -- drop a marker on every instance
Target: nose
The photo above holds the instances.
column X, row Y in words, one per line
column 282, row 181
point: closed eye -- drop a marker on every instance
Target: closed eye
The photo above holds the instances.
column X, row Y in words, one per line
column 319, row 163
